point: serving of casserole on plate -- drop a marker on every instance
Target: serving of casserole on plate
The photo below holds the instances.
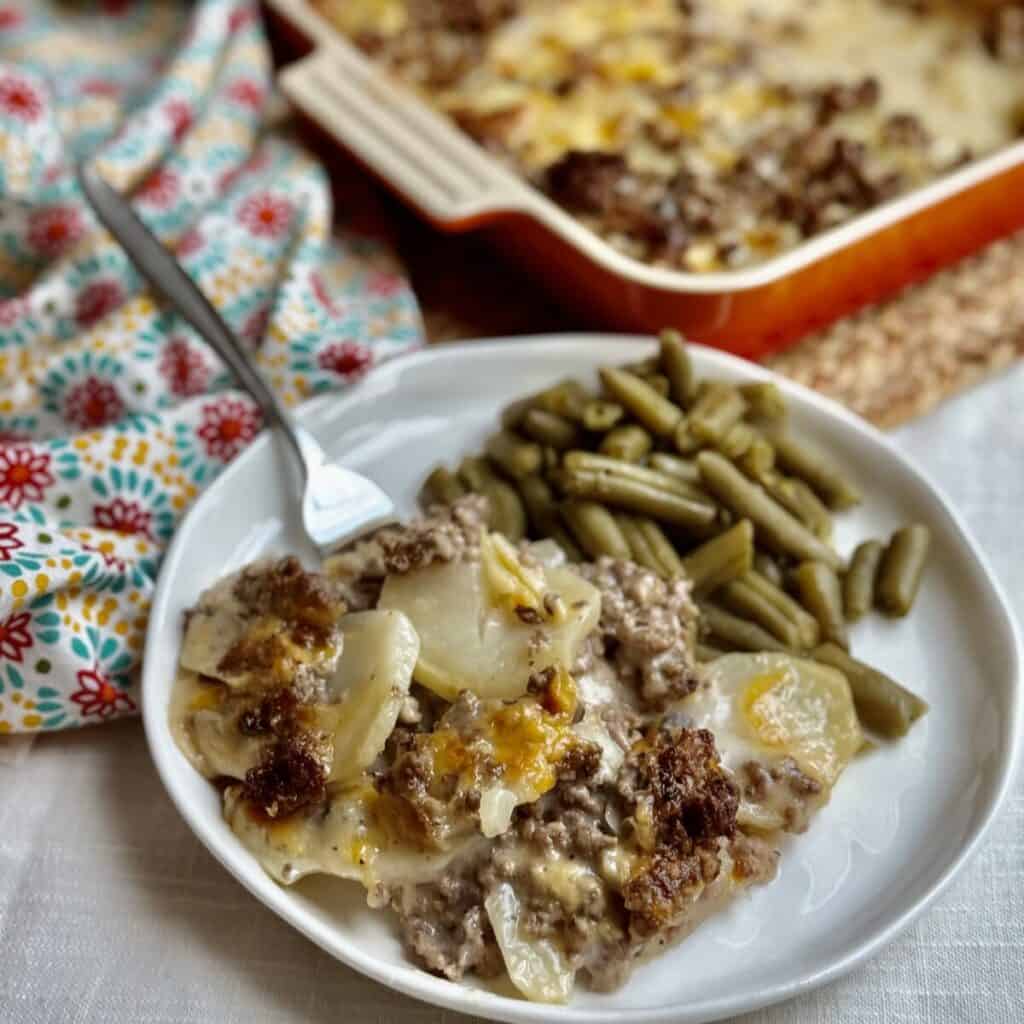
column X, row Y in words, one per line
column 541, row 766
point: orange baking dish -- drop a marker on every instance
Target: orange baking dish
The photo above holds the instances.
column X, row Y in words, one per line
column 457, row 186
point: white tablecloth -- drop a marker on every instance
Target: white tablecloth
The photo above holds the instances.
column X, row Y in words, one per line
column 111, row 912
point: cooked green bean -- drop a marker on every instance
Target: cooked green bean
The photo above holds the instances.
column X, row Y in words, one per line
column 662, row 547
column 629, row 442
column 513, row 413
column 796, row 497
column 683, row 439
column 899, row 575
column 506, row 513
column 474, row 471
column 566, row 398
column 552, row 458
column 715, row 412
column 633, row 495
column 821, row 595
column 733, row 633
column 599, row 415
column 540, row 503
column 643, row 368
column 592, row 462
column 859, row 581
column 595, row 529
column 816, row 514
column 816, row 468
column 764, row 399
column 768, row 568
column 549, row 428
column 807, row 624
column 640, row 550
column 737, row 441
column 743, row 599
column 655, row 412
column 702, row 385
column 758, row 459
column 660, row 383
column 515, row 456
column 672, row 465
column 542, row 512
column 721, row 559
column 442, row 487
column 882, row 704
column 775, row 527
column 676, row 365
column 706, row 653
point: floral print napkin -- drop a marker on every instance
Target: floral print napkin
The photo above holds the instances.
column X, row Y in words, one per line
column 113, row 413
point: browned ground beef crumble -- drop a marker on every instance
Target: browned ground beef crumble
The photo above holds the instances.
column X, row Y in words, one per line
column 646, row 629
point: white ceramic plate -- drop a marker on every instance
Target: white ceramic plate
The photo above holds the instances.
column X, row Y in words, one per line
column 901, row 822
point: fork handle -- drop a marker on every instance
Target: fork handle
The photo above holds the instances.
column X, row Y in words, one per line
column 158, row 265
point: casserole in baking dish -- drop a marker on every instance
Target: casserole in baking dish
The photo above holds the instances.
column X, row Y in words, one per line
column 743, row 170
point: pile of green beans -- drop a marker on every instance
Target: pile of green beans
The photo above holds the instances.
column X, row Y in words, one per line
column 700, row 478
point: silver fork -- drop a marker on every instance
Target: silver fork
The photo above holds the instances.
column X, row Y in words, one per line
column 337, row 503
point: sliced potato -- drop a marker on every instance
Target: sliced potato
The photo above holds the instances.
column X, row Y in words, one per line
column 769, row 709
column 509, row 582
column 537, row 967
column 347, row 841
column 365, row 694
column 806, row 710
column 223, row 750
column 371, row 680
column 468, row 642
column 210, row 634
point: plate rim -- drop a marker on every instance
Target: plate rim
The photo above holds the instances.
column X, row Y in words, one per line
column 411, row 980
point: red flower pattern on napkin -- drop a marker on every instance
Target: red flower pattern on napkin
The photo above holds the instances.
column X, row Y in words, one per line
column 15, row 638
column 184, row 369
column 9, row 541
column 266, row 215
column 53, row 229
column 92, row 403
column 96, row 300
column 161, row 188
column 179, row 113
column 228, row 426
column 97, row 695
column 346, row 358
column 124, row 517
column 20, row 98
column 24, row 476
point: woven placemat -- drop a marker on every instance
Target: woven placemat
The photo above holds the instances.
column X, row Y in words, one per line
column 890, row 363
column 897, row 360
